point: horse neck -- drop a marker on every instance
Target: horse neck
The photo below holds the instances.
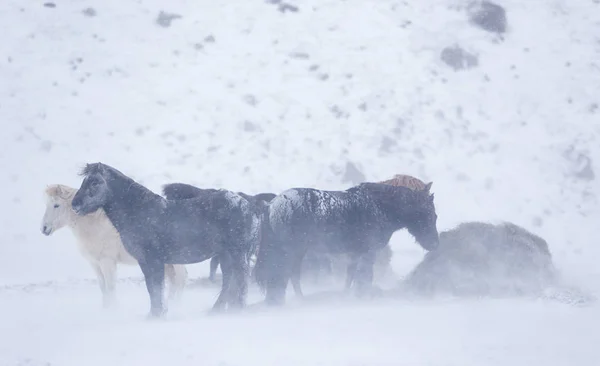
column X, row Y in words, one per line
column 397, row 218
column 130, row 201
column 81, row 225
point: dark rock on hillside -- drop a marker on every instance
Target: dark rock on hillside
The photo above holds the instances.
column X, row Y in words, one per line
column 283, row 6
column 165, row 19
column 89, row 12
column 458, row 59
column 488, row 16
column 581, row 164
column 481, row 259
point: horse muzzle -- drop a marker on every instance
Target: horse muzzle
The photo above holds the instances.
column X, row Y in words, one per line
column 46, row 230
column 76, row 206
column 430, row 243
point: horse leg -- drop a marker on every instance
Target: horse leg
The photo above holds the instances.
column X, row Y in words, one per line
column 226, row 270
column 325, row 270
column 364, row 271
column 328, row 265
column 278, row 277
column 276, row 292
column 154, row 275
column 351, row 271
column 297, row 274
column 350, row 274
column 109, row 270
column 177, row 276
column 214, row 263
column 170, row 278
column 181, row 276
column 101, row 282
column 240, row 277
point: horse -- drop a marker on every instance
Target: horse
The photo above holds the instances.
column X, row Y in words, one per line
column 324, row 260
column 98, row 242
column 398, row 180
column 258, row 203
column 357, row 221
column 477, row 259
column 158, row 231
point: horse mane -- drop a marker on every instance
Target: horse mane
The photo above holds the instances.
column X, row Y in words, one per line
column 418, row 195
column 102, row 169
column 107, row 170
column 403, row 180
column 61, row 191
column 91, row 168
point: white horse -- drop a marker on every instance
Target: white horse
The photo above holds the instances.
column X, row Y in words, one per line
column 99, row 242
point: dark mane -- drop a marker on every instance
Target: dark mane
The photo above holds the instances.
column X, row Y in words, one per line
column 99, row 168
column 109, row 172
column 89, row 169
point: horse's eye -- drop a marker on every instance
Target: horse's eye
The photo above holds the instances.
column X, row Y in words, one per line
column 56, row 205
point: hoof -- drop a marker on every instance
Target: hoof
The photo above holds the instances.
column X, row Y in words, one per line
column 369, row 292
column 215, row 311
column 108, row 301
column 156, row 314
column 275, row 302
column 376, row 292
column 108, row 304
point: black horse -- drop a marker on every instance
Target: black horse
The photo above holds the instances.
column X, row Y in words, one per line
column 258, row 205
column 156, row 231
column 357, row 221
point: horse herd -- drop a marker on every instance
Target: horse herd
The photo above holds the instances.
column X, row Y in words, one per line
column 117, row 220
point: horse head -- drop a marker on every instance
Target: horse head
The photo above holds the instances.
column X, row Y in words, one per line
column 94, row 191
column 58, row 207
column 422, row 222
column 410, row 208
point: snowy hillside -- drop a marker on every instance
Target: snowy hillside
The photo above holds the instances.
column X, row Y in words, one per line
column 262, row 96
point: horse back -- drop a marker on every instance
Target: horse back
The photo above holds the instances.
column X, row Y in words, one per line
column 324, row 210
column 180, row 191
column 197, row 228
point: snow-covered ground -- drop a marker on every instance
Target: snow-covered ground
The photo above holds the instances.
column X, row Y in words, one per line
column 246, row 96
column 65, row 326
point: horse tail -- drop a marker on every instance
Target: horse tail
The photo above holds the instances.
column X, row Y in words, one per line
column 270, row 271
column 263, row 259
column 182, row 191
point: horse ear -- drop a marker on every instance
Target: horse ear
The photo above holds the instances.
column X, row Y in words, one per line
column 428, row 187
column 100, row 168
column 50, row 190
